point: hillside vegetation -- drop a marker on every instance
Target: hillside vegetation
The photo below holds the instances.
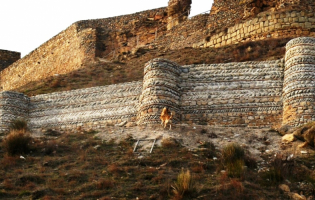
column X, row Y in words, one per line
column 81, row 165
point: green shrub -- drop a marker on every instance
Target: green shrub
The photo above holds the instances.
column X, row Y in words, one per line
column 17, row 142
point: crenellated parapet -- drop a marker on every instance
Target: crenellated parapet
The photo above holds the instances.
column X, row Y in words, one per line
column 299, row 82
column 160, row 89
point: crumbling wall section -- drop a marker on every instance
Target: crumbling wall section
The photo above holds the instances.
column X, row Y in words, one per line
column 81, row 43
column 117, row 35
column 177, row 12
column 287, row 24
column 185, row 34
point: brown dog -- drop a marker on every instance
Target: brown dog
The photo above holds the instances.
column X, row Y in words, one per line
column 166, row 117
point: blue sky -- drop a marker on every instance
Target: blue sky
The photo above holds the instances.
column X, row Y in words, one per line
column 26, row 24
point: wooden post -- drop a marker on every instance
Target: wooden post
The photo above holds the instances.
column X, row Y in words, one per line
column 152, row 145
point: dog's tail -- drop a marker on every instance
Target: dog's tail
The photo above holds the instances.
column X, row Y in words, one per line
column 171, row 115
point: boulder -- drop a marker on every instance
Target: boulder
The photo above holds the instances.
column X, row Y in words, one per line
column 284, row 188
column 306, row 133
column 288, row 138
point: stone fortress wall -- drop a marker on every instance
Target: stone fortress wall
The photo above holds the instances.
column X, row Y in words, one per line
column 7, row 58
column 64, row 53
column 254, row 94
column 80, row 44
column 229, row 22
column 284, row 24
column 93, row 107
column 237, row 21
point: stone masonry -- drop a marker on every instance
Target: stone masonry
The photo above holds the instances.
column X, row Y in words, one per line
column 253, row 94
column 299, row 82
column 177, row 12
column 229, row 22
column 7, row 58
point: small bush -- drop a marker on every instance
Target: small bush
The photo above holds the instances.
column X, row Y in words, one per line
column 184, row 185
column 209, row 150
column 232, row 153
column 18, row 124
column 169, row 143
column 17, row 142
column 104, row 184
column 233, row 157
column 281, row 169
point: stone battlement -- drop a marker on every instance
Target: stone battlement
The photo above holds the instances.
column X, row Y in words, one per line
column 253, row 94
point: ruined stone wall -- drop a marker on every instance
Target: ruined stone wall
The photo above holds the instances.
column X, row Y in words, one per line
column 177, row 12
column 185, row 34
column 64, row 53
column 254, row 94
column 288, row 24
column 81, row 43
column 7, row 58
column 123, row 33
column 225, row 12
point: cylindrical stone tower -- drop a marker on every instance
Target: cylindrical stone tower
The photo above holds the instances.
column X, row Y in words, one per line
column 160, row 89
column 299, row 82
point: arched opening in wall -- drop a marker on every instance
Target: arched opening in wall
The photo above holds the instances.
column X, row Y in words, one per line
column 200, row 6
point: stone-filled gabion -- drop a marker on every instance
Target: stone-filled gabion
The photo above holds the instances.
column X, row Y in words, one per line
column 299, row 82
column 160, row 89
column 13, row 106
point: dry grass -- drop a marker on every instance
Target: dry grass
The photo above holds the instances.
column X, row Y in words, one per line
column 18, row 124
column 184, row 186
column 17, row 142
column 233, row 157
column 67, row 166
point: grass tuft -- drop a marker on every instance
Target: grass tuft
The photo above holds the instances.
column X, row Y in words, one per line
column 184, row 185
column 18, row 124
column 233, row 157
column 17, row 142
